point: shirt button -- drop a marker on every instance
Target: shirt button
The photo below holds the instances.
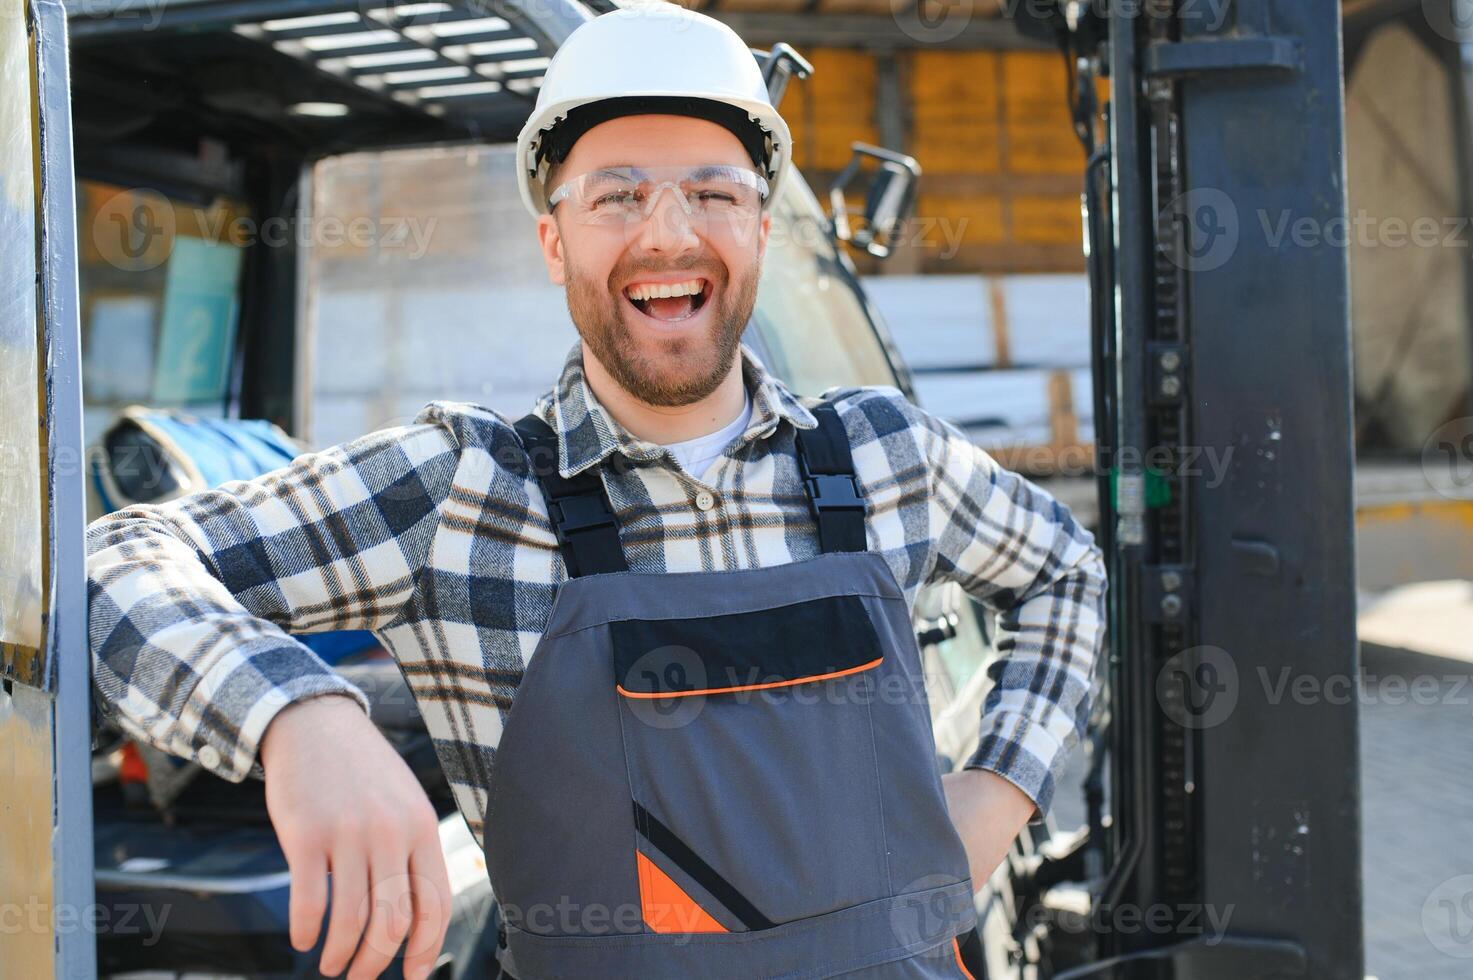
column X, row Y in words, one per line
column 209, row 757
column 705, row 500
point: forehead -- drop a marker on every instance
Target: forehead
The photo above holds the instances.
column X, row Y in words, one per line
column 655, row 140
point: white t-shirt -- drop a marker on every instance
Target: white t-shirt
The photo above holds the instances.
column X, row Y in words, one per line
column 696, row 455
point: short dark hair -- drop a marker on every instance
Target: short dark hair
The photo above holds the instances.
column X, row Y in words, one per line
column 557, row 142
column 549, row 180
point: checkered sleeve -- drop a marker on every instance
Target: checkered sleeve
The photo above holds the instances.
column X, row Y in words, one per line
column 191, row 601
column 1017, row 550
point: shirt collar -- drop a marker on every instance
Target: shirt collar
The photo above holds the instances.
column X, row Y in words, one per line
column 587, row 433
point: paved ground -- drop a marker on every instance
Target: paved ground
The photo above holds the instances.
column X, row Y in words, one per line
column 1417, row 816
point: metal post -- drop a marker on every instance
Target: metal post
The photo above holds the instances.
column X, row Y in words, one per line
column 46, row 862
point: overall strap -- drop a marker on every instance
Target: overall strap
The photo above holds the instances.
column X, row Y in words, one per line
column 826, row 464
column 587, row 532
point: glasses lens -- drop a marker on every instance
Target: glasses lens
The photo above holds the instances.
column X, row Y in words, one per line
column 629, row 194
column 605, row 195
column 722, row 190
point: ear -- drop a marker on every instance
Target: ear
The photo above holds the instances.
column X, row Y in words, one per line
column 551, row 241
column 764, row 226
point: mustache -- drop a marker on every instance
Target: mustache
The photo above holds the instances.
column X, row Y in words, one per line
column 706, row 268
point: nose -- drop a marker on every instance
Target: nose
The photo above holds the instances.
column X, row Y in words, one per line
column 668, row 229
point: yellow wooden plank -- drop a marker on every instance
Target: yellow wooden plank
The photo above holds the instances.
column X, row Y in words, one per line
column 978, row 151
column 1039, row 132
column 1047, row 220
column 27, row 858
column 830, row 144
column 830, row 110
column 1034, row 87
column 967, row 220
column 955, row 106
column 949, row 78
column 842, row 77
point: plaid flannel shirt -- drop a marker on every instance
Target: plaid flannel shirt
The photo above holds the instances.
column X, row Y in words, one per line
column 435, row 536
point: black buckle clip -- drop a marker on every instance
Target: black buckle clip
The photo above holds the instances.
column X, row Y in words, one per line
column 582, row 512
column 830, row 493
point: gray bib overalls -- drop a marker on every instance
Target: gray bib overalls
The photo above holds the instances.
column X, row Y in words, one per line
column 725, row 775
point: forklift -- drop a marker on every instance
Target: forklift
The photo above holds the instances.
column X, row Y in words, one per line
column 1209, row 336
column 1222, row 837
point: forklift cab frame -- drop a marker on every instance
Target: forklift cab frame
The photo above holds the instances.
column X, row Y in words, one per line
column 1174, row 828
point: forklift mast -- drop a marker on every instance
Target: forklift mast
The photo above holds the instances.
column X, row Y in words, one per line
column 1223, row 387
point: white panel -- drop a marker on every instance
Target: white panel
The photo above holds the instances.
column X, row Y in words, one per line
column 936, row 321
column 1048, row 319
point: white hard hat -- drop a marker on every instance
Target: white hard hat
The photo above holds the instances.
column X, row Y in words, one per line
column 650, row 51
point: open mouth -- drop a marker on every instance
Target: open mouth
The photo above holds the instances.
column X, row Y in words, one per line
column 669, row 302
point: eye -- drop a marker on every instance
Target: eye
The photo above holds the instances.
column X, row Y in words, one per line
column 615, row 198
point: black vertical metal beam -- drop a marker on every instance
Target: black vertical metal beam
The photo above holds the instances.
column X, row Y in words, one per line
column 1233, row 800
column 1132, row 852
column 267, row 329
column 1280, row 776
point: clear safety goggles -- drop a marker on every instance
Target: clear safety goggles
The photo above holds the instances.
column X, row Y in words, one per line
column 621, row 195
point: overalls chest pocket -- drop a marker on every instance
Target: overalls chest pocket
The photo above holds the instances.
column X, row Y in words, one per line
column 751, row 747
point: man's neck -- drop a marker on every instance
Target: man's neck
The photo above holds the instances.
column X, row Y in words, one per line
column 664, row 424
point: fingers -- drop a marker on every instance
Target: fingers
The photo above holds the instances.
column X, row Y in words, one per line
column 361, row 817
column 430, row 886
column 390, row 914
column 308, row 902
column 349, row 906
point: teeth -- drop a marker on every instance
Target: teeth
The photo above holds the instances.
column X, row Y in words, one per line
column 653, row 290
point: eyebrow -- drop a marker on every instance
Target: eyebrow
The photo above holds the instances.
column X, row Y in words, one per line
column 606, row 175
column 697, row 171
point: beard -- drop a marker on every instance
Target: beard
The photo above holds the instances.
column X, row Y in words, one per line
column 668, row 372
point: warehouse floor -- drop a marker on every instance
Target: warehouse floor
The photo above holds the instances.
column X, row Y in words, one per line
column 1416, row 738
column 1417, row 816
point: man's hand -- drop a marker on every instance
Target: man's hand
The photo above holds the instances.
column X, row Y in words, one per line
column 343, row 801
column 989, row 812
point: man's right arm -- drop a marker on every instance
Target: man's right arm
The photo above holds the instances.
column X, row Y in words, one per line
column 190, row 605
column 190, row 602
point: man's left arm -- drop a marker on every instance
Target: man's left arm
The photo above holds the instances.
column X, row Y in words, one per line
column 1017, row 550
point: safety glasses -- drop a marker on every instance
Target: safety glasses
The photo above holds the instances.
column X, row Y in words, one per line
column 626, row 195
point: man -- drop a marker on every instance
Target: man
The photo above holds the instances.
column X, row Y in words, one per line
column 659, row 629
